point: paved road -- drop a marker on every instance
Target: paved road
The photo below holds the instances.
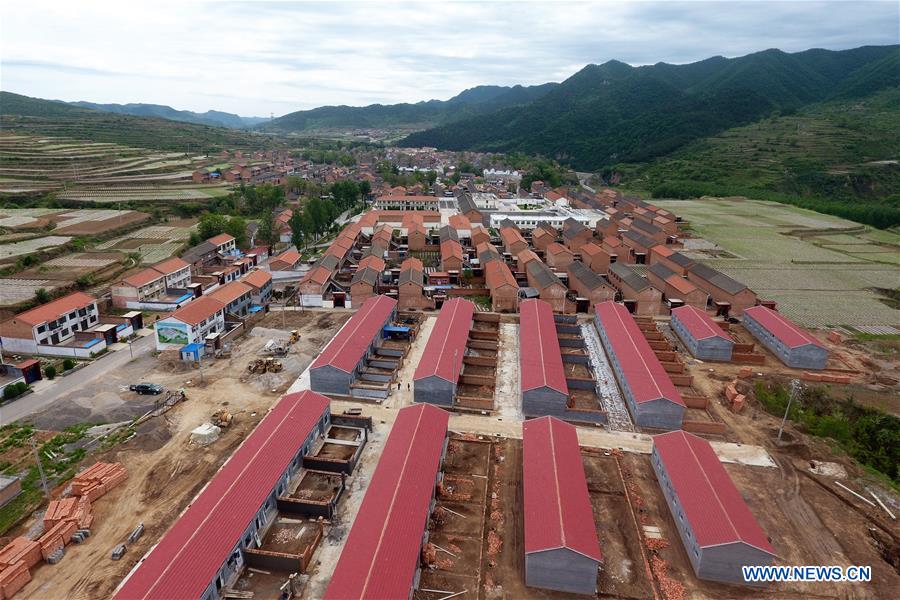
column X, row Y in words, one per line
column 49, row 392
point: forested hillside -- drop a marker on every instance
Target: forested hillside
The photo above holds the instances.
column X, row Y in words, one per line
column 838, row 157
column 612, row 113
column 474, row 101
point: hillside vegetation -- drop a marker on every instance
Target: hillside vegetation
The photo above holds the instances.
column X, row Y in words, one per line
column 838, row 157
column 214, row 118
column 474, row 101
column 613, row 113
column 27, row 115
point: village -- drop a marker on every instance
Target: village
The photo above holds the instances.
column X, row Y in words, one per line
column 467, row 387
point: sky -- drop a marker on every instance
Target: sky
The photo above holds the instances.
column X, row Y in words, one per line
column 263, row 58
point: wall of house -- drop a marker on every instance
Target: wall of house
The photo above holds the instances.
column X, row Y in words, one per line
column 723, row 563
column 562, row 570
column 714, row 348
column 329, row 380
column 802, row 357
column 434, row 390
column 543, row 401
column 504, row 299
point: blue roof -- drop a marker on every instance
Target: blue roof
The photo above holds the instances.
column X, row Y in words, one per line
column 192, row 347
column 183, row 298
column 90, row 343
column 396, row 329
column 255, row 308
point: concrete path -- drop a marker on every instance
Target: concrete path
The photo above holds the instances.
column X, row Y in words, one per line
column 47, row 392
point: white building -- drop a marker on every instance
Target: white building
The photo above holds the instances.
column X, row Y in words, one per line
column 190, row 324
column 554, row 215
column 51, row 328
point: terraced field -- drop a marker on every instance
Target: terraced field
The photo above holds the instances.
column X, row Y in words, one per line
column 153, row 243
column 823, row 271
column 98, row 172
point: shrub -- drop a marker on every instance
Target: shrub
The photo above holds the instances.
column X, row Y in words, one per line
column 50, row 372
column 68, row 364
column 15, row 390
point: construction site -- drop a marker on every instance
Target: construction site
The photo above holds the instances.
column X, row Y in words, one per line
column 381, row 451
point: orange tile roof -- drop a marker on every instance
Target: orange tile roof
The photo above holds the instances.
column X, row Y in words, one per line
column 412, row 263
column 55, row 309
column 218, row 240
column 451, row 249
column 230, row 292
column 291, row 257
column 197, row 311
column 373, row 262
column 557, row 248
column 496, row 273
column 662, row 250
column 681, row 284
column 170, row 265
column 257, row 279
column 142, row 278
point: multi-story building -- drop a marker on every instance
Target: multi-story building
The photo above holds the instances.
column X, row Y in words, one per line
column 38, row 330
column 190, row 324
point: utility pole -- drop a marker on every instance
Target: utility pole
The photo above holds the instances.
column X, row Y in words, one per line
column 796, row 388
column 40, row 466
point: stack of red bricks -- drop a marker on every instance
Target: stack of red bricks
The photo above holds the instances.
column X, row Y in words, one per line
column 98, row 479
column 16, row 560
column 77, row 510
column 62, row 519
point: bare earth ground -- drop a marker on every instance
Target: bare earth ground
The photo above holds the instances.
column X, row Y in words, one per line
column 164, row 471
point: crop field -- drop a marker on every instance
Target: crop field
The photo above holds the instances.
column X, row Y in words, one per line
column 14, row 291
column 143, row 193
column 16, row 249
column 823, row 271
column 154, row 243
column 69, row 222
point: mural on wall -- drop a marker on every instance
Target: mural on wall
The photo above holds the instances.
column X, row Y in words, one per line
column 172, row 333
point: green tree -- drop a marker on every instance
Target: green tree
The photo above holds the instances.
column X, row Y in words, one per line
column 42, row 295
column 211, row 225
column 50, row 372
column 236, row 227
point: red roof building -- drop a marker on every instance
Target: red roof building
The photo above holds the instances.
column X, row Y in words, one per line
column 543, row 379
column 335, row 368
column 380, row 558
column 192, row 560
column 649, row 392
column 441, row 364
column 702, row 336
column 794, row 346
column 561, row 547
column 717, row 527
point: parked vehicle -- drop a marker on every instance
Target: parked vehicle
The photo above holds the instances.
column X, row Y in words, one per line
column 146, row 388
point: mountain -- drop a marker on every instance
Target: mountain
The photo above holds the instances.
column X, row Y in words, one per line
column 612, row 113
column 214, row 118
column 836, row 157
column 26, row 115
column 474, row 101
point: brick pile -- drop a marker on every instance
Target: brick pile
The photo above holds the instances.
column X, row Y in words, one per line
column 736, row 398
column 61, row 520
column 98, row 479
column 824, row 377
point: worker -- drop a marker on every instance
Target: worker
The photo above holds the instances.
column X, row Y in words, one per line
column 407, row 386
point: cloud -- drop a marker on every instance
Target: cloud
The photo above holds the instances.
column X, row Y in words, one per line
column 262, row 57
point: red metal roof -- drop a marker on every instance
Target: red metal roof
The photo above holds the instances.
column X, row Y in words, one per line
column 381, row 554
column 699, row 324
column 189, row 555
column 540, row 361
column 781, row 327
column 446, row 347
column 345, row 349
column 558, row 510
column 712, row 504
column 640, row 367
column 55, row 309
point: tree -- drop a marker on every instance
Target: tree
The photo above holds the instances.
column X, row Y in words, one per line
column 267, row 233
column 211, row 225
column 298, row 232
column 50, row 372
column 365, row 188
column 42, row 295
column 237, row 228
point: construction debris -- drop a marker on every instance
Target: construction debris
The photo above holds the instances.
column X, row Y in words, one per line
column 222, row 418
column 863, row 498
